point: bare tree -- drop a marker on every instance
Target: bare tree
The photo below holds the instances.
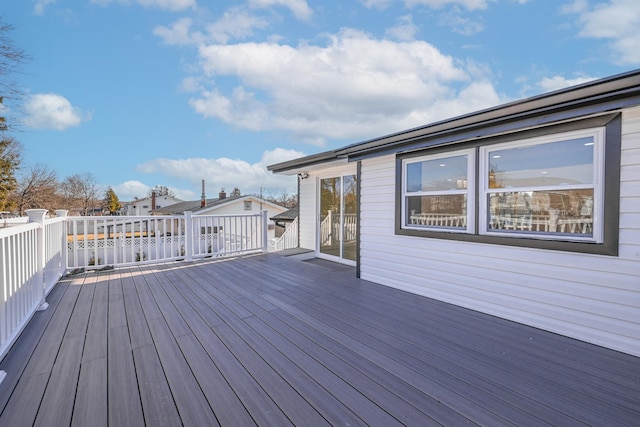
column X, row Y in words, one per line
column 11, row 58
column 160, row 191
column 284, row 199
column 10, row 158
column 37, row 188
column 80, row 192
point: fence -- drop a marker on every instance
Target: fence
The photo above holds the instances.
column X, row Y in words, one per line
column 34, row 255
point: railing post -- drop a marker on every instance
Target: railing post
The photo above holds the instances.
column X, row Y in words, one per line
column 265, row 234
column 37, row 215
column 188, row 236
column 62, row 213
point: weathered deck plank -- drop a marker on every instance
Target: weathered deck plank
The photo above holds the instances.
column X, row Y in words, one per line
column 269, row 340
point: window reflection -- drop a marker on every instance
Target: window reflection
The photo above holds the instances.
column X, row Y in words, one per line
column 449, row 173
column 559, row 163
column 438, row 211
column 566, row 211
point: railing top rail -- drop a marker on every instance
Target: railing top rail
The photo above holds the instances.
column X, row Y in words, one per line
column 145, row 217
column 226, row 215
column 17, row 229
column 122, row 217
column 55, row 220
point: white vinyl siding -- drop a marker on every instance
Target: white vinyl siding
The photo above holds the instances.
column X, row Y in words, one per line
column 595, row 298
column 307, row 213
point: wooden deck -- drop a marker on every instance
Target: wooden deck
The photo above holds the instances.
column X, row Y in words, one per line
column 273, row 340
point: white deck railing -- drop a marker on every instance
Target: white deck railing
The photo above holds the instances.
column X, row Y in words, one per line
column 34, row 255
column 31, row 261
column 95, row 242
column 288, row 239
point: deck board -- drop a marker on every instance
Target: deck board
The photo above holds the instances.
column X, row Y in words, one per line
column 91, row 404
column 272, row 340
column 125, row 407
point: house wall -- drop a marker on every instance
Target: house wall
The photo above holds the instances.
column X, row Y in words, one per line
column 594, row 298
column 237, row 208
column 137, row 207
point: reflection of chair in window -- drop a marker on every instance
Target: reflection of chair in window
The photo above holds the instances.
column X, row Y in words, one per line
column 560, row 202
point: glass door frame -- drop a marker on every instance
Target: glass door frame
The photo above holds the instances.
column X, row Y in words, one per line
column 319, row 233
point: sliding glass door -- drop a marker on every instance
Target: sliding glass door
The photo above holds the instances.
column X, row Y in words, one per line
column 338, row 217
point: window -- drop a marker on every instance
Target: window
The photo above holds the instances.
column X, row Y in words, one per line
column 550, row 187
column 555, row 187
column 247, row 205
column 436, row 192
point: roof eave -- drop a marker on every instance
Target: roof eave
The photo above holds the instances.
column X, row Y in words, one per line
column 307, row 163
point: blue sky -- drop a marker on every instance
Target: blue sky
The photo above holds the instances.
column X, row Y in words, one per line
column 169, row 92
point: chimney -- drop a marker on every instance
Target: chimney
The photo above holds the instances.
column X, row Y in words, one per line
column 153, row 200
column 203, row 198
column 222, row 194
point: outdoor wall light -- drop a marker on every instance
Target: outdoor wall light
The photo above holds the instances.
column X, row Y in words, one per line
column 303, row 175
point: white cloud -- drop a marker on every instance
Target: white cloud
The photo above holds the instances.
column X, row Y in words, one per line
column 377, row 4
column 228, row 173
column 129, row 190
column 299, row 8
column 353, row 87
column 405, row 30
column 549, row 84
column 437, row 4
column 434, row 4
column 615, row 20
column 179, row 33
column 173, row 5
column 52, row 111
column 236, row 23
column 38, row 8
column 460, row 24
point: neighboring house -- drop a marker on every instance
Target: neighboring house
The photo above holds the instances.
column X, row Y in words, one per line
column 143, row 207
column 528, row 211
column 284, row 219
column 224, row 205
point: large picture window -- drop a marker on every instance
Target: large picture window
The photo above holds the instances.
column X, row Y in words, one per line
column 549, row 187
column 556, row 188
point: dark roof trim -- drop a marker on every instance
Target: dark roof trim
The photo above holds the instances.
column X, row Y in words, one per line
column 597, row 96
column 501, row 128
column 303, row 161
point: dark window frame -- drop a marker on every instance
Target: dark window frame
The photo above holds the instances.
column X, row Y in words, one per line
column 611, row 187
